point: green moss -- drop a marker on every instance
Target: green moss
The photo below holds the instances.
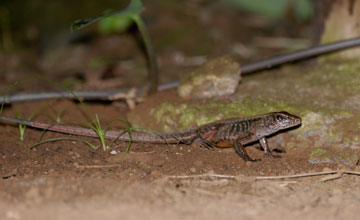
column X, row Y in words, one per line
column 348, row 158
column 337, row 75
column 343, row 155
column 356, row 138
column 320, row 155
column 318, row 151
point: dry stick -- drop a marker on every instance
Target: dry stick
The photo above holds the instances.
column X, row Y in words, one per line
column 332, row 177
column 338, row 175
column 202, row 175
column 130, row 97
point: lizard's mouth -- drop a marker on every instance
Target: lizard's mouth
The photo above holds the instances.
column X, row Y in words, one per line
column 297, row 121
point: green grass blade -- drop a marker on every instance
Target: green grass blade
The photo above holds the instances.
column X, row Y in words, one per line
column 128, row 147
column 21, row 127
column 128, row 129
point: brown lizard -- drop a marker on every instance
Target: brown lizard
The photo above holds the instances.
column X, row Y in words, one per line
column 234, row 132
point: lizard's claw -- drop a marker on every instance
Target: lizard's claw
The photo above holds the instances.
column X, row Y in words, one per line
column 206, row 144
column 269, row 154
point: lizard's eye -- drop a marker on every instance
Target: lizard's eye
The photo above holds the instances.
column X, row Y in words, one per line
column 279, row 118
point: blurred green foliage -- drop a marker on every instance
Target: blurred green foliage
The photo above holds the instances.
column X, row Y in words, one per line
column 275, row 9
column 29, row 23
column 115, row 23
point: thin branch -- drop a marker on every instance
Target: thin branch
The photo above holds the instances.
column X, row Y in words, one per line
column 338, row 174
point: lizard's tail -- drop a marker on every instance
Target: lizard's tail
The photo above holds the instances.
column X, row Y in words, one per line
column 121, row 135
column 52, row 127
column 153, row 137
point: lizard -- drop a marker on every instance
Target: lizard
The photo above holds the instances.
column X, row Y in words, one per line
column 233, row 132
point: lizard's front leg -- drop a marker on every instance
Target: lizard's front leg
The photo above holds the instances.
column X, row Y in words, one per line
column 240, row 150
column 265, row 146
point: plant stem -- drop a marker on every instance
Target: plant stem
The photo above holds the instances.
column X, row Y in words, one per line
column 153, row 76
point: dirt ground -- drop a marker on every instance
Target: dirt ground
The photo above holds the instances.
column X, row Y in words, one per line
column 69, row 180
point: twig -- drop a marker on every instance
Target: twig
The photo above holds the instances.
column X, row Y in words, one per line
column 202, row 175
column 338, row 174
column 130, row 97
column 295, row 176
column 332, row 177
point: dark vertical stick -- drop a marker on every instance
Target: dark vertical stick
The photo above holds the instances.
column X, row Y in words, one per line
column 153, row 75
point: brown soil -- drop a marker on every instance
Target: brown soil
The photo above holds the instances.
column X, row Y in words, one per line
column 69, row 180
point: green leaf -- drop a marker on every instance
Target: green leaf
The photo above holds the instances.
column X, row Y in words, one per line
column 134, row 8
column 116, row 23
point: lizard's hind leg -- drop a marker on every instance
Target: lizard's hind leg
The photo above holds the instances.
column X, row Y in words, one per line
column 204, row 143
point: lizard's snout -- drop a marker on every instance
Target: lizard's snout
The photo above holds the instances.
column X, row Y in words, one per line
column 298, row 121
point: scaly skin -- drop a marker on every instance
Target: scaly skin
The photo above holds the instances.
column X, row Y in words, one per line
column 234, row 132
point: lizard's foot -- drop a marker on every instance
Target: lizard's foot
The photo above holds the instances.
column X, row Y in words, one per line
column 269, row 154
column 206, row 144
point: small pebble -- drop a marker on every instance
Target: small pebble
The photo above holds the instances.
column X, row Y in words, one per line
column 113, row 152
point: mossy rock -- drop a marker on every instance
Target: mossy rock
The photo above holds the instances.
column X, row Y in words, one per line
column 321, row 155
column 215, row 78
column 348, row 158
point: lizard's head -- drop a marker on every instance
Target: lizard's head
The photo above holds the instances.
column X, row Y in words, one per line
column 276, row 121
column 283, row 120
